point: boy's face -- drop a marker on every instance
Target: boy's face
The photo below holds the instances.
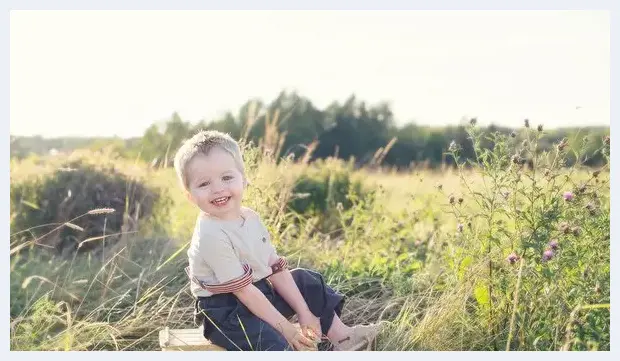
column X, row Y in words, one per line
column 215, row 184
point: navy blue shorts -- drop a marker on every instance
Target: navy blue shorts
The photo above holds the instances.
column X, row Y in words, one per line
column 230, row 324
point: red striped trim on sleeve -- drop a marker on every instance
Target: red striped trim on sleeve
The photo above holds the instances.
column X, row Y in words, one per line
column 279, row 266
column 232, row 285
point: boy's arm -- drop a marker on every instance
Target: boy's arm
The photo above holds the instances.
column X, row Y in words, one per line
column 260, row 306
column 285, row 285
column 287, row 288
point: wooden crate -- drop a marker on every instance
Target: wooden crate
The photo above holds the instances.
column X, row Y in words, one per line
column 190, row 339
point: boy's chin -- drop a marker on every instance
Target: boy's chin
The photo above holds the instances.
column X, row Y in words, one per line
column 224, row 212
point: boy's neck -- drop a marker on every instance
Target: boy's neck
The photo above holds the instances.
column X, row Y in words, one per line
column 231, row 216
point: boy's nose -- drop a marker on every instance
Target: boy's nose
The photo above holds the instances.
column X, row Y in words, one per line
column 218, row 187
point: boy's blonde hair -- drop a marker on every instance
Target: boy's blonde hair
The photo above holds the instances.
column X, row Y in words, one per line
column 202, row 143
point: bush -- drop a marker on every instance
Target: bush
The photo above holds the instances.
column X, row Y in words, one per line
column 58, row 208
column 324, row 185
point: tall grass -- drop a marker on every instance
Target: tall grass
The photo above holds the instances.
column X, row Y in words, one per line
column 455, row 260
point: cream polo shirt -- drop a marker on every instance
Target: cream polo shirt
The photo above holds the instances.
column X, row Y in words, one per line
column 225, row 256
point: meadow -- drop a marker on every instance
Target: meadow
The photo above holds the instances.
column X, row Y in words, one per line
column 510, row 252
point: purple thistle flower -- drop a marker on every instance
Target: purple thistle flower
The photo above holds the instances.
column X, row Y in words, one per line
column 547, row 255
column 568, row 196
column 553, row 244
column 512, row 258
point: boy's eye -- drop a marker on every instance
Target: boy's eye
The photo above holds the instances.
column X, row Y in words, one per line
column 227, row 177
column 203, row 184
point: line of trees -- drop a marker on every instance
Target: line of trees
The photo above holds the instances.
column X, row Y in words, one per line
column 353, row 129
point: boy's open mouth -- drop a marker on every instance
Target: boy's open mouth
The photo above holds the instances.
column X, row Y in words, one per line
column 220, row 201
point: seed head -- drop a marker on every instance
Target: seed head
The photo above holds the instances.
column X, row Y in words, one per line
column 564, row 228
column 575, row 230
column 451, row 199
column 460, row 200
column 526, row 122
column 596, row 173
column 459, row 227
column 591, row 208
column 453, row 146
column 563, row 144
column 473, row 121
column 513, row 134
column 101, row 211
column 540, row 127
column 606, row 140
column 512, row 258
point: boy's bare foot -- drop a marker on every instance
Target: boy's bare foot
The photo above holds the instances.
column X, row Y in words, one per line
column 361, row 337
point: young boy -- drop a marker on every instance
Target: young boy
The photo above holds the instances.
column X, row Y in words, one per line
column 243, row 287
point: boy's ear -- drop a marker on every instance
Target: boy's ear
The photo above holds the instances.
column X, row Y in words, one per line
column 189, row 196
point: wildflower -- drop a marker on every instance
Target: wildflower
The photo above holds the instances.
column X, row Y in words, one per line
column 459, row 227
column 606, row 140
column 585, row 273
column 540, row 127
column 512, row 258
column 564, row 227
column 473, row 121
column 568, row 196
column 563, row 144
column 526, row 122
column 547, row 255
column 553, row 244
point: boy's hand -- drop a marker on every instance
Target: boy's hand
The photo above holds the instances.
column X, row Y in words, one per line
column 310, row 322
column 297, row 339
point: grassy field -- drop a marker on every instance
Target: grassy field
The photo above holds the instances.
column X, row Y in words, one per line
column 495, row 256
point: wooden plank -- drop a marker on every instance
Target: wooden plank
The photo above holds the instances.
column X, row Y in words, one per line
column 190, row 339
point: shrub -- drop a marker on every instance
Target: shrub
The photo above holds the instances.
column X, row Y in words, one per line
column 58, row 208
column 322, row 186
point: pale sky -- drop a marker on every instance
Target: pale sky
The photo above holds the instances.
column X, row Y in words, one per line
column 104, row 73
